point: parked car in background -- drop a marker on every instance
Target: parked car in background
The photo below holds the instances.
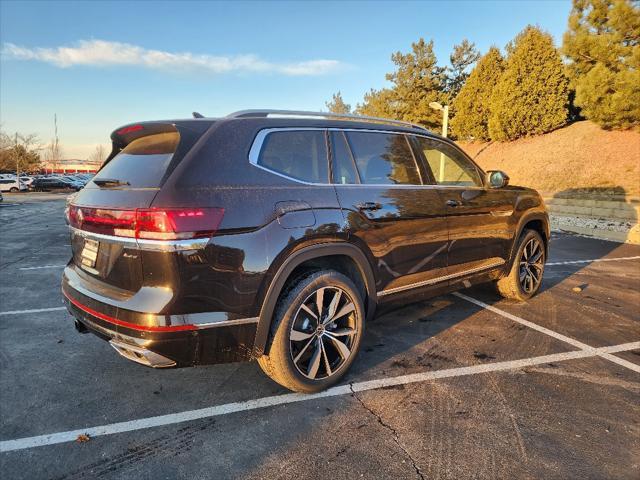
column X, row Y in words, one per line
column 275, row 238
column 49, row 184
column 12, row 185
column 78, row 182
column 27, row 180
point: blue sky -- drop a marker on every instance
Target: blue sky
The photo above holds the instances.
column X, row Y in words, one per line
column 99, row 65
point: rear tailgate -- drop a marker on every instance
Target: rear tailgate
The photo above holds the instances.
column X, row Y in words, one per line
column 101, row 214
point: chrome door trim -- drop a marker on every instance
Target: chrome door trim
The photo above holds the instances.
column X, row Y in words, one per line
column 227, row 323
column 443, row 278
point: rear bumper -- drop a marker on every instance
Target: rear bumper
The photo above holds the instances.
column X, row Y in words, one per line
column 162, row 340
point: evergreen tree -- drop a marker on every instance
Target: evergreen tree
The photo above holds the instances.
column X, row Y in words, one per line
column 602, row 45
column 379, row 103
column 337, row 104
column 463, row 56
column 471, row 105
column 531, row 97
column 417, row 81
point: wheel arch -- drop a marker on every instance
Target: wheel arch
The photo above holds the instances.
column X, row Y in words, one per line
column 313, row 258
column 538, row 221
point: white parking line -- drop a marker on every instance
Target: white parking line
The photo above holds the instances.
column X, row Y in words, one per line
column 571, row 262
column 43, row 266
column 173, row 418
column 35, row 310
column 551, row 333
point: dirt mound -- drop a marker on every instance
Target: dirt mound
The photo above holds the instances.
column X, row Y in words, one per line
column 580, row 157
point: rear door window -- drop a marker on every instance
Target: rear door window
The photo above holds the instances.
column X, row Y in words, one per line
column 301, row 155
column 143, row 162
column 384, row 158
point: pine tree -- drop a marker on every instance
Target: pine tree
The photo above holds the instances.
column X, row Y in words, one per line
column 602, row 45
column 531, row 97
column 417, row 81
column 337, row 104
column 379, row 103
column 463, row 56
column 471, row 105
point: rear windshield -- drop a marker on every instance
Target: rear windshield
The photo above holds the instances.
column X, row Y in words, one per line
column 143, row 162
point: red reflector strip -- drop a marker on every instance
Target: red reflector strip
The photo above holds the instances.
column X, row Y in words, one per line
column 133, row 326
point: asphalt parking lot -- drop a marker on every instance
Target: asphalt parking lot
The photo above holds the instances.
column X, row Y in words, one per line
column 459, row 386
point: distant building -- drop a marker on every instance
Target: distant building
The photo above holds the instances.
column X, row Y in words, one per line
column 71, row 165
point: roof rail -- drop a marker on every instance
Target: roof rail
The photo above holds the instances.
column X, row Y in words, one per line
column 302, row 113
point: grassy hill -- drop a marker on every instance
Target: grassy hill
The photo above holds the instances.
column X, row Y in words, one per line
column 581, row 156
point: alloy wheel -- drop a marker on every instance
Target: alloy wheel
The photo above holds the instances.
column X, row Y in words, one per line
column 531, row 265
column 323, row 333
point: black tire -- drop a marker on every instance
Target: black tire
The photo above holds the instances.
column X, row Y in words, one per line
column 13, row 190
column 322, row 354
column 524, row 281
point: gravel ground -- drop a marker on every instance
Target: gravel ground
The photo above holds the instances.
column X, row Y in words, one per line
column 593, row 223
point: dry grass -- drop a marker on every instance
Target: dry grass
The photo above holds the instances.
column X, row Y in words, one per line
column 581, row 156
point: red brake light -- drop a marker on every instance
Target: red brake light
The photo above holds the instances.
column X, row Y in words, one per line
column 129, row 129
column 154, row 224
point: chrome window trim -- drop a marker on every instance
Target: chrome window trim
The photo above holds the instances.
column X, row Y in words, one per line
column 258, row 141
column 145, row 244
column 432, row 281
column 256, row 147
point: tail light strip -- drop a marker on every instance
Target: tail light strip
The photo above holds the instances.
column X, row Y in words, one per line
column 147, row 223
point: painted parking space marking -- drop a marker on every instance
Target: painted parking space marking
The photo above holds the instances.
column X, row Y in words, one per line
column 35, row 310
column 225, row 409
column 546, row 331
column 572, row 262
column 41, row 267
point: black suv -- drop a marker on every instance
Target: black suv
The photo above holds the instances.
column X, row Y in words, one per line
column 273, row 235
column 48, row 184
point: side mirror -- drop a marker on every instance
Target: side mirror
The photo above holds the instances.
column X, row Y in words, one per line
column 497, row 178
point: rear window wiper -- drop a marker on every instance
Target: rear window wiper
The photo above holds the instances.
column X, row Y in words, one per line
column 110, row 182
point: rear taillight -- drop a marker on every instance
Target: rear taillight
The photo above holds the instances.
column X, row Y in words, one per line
column 151, row 223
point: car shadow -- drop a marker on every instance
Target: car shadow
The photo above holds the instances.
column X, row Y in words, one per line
column 400, row 327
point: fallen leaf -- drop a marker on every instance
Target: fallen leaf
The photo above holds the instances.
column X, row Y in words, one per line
column 82, row 438
column 576, row 289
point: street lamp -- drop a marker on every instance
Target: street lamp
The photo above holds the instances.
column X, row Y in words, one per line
column 445, row 125
column 445, row 116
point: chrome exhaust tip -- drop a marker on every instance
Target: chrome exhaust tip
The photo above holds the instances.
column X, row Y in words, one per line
column 141, row 355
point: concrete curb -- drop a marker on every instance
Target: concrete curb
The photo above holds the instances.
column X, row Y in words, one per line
column 608, row 209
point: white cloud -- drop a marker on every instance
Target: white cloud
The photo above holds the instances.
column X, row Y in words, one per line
column 102, row 53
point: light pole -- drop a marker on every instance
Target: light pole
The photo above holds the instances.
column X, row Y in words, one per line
column 445, row 116
column 15, row 149
column 445, row 126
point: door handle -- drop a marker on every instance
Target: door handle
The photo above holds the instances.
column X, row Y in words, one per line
column 370, row 206
column 453, row 203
